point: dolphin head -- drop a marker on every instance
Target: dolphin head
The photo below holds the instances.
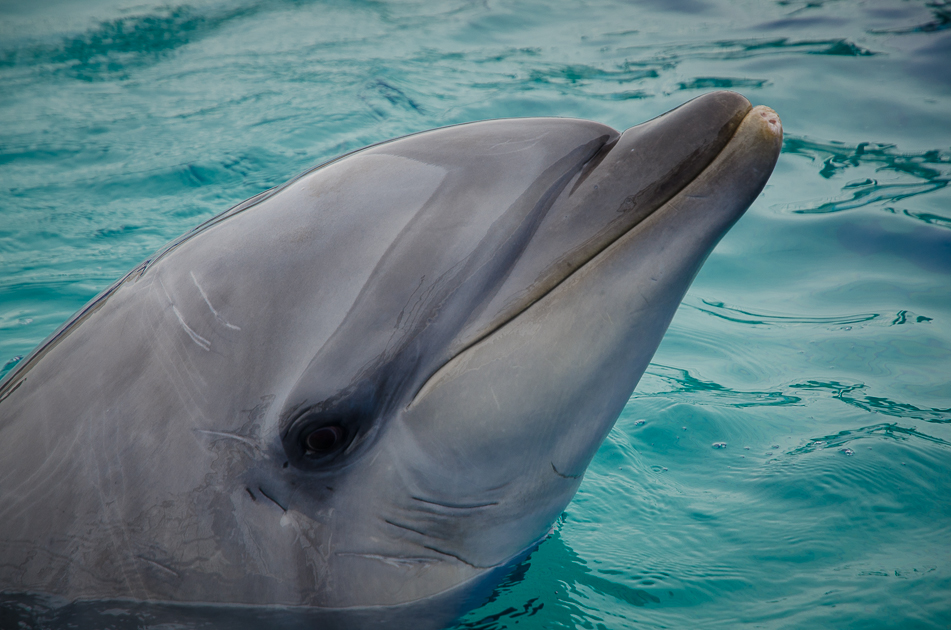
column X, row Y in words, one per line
column 384, row 380
column 449, row 416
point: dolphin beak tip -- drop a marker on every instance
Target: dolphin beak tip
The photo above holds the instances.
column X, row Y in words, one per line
column 768, row 120
column 760, row 134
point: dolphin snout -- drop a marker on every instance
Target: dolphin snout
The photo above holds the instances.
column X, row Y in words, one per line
column 774, row 124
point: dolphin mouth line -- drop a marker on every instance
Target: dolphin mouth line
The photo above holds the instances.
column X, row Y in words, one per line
column 594, row 253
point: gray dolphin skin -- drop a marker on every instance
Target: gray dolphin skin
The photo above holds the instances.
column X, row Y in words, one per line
column 376, row 386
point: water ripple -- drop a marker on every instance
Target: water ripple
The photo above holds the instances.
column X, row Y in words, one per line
column 917, row 173
column 747, row 317
column 679, row 381
column 886, row 430
column 852, row 394
column 941, row 20
column 698, row 391
column 732, row 49
column 114, row 46
column 740, row 316
column 570, row 582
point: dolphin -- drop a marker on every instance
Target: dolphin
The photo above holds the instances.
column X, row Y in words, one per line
column 377, row 385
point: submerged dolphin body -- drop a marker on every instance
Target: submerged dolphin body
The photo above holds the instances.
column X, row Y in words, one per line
column 376, row 384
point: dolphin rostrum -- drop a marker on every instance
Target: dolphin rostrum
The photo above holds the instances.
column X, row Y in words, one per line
column 374, row 385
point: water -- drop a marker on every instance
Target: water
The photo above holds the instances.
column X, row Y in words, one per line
column 786, row 460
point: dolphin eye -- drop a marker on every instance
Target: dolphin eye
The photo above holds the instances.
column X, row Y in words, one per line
column 324, row 439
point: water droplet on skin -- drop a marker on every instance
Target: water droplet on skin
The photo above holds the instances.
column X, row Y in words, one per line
column 746, row 448
column 719, row 445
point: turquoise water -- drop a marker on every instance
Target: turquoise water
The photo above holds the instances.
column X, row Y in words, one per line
column 815, row 343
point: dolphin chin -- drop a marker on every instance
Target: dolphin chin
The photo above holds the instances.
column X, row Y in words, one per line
column 376, row 385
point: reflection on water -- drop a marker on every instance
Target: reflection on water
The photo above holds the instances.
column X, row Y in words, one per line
column 567, row 579
column 740, row 316
column 813, row 348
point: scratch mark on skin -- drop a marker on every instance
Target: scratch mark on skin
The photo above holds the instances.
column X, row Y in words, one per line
column 407, row 528
column 160, row 566
column 459, row 558
column 226, row 435
column 456, row 506
column 562, row 474
column 518, row 149
column 171, row 358
column 210, row 307
column 495, row 399
column 390, row 560
column 203, row 343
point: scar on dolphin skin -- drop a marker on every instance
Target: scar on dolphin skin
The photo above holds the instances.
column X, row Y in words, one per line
column 227, row 435
column 214, row 312
column 561, row 474
column 271, row 499
column 160, row 566
column 397, row 561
